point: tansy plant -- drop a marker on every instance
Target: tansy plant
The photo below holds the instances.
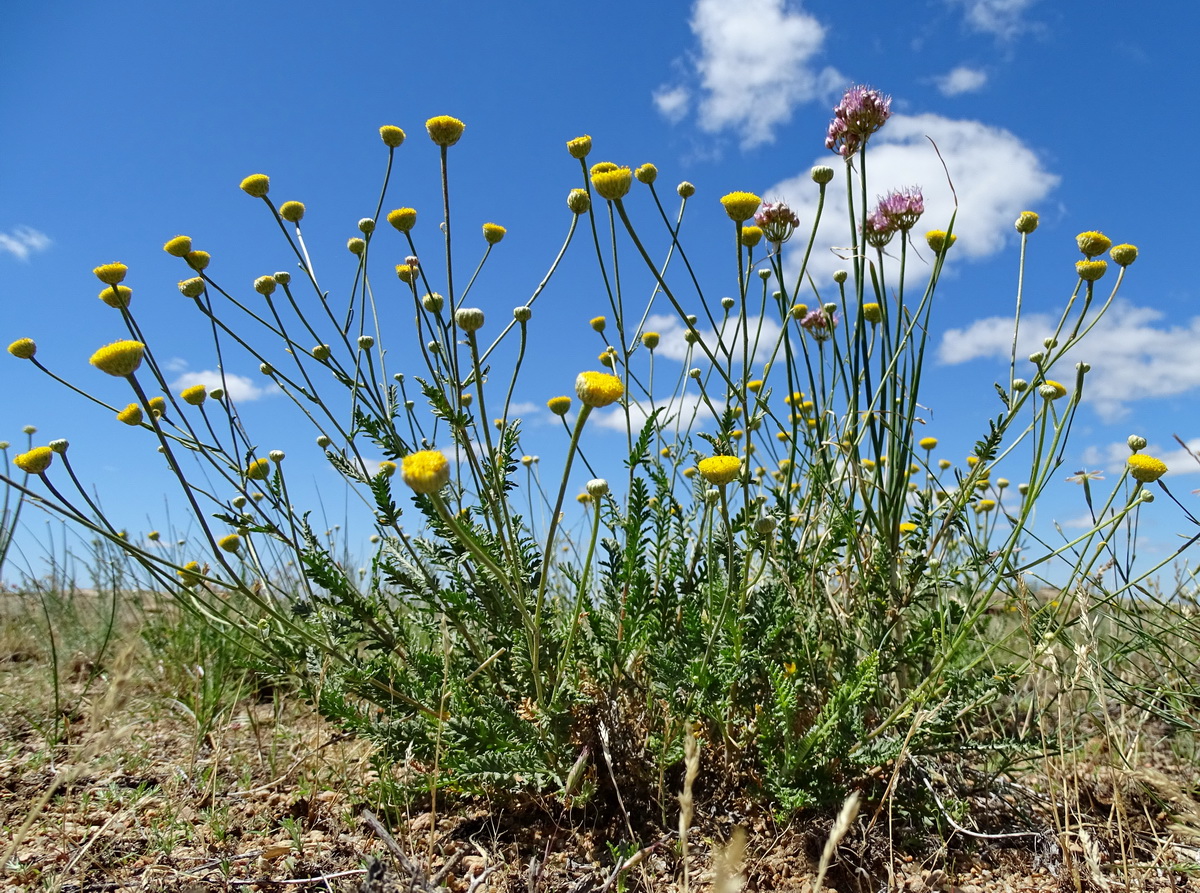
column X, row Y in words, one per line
column 785, row 564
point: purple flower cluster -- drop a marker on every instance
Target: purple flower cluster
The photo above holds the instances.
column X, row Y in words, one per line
column 861, row 112
column 777, row 221
column 819, row 324
column 898, row 211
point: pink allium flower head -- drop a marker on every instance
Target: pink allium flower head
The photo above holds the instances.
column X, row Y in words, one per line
column 777, row 221
column 902, row 208
column 820, row 324
column 879, row 230
column 861, row 112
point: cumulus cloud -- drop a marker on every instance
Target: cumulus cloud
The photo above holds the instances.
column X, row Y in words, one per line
column 756, row 63
column 996, row 176
column 961, row 80
column 1133, row 356
column 23, row 241
column 1002, row 18
column 764, row 333
column 239, row 388
column 672, row 102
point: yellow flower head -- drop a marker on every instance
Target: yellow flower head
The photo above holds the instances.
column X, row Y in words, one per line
column 117, row 296
column 158, row 406
column 391, row 135
column 406, row 272
column 685, row 189
column 179, row 246
column 190, row 573
column 799, row 311
column 292, row 212
column 647, row 174
column 1091, row 270
column 751, row 235
column 387, row 469
column 872, row 313
column 259, row 470
column 444, row 130
column 265, row 285
column 493, row 233
column 35, row 461
column 111, row 274
column 23, row 348
column 559, row 405
column 606, row 359
column 1093, row 243
column 580, row 146
column 985, row 505
column 740, row 206
column 1057, row 388
column 1123, row 255
column 611, row 183
column 598, row 323
column 230, row 543
column 928, row 443
column 579, row 201
column 719, row 470
column 426, row 471
column 937, row 240
column 1027, row 222
column 195, row 395
column 1146, row 468
column 907, row 527
column 121, row 358
column 598, row 388
column 192, row 288
column 650, row 340
column 130, row 415
column 404, row 219
column 198, row 260
column 256, row 185
column 943, row 464
column 754, row 386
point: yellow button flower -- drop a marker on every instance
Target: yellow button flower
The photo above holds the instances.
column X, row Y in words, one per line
column 121, row 358
column 445, row 130
column 35, row 461
column 1092, row 243
column 493, row 233
column 256, row 185
column 580, row 146
column 259, row 470
column 612, row 184
column 391, row 135
column 1146, row 468
column 928, row 443
column 178, row 247
column 720, row 470
column 740, row 206
column 404, row 219
column 130, row 415
column 426, row 471
column 598, row 388
column 111, row 274
column 23, row 348
column 559, row 405
column 195, row 395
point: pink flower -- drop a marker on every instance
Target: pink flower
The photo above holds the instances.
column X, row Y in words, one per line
column 902, row 208
column 777, row 221
column 820, row 324
column 861, row 112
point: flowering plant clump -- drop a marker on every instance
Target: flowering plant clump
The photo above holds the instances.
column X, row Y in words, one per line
column 753, row 544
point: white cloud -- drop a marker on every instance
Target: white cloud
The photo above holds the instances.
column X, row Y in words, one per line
column 961, row 80
column 1132, row 357
column 672, row 102
column 673, row 344
column 995, row 175
column 238, row 387
column 23, row 241
column 1002, row 18
column 684, row 408
column 755, row 65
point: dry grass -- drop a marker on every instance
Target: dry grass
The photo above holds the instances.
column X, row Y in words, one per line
column 127, row 791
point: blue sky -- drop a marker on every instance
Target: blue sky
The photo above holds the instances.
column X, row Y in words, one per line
column 129, row 123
